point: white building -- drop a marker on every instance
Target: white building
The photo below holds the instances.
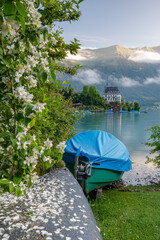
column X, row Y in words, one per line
column 112, row 94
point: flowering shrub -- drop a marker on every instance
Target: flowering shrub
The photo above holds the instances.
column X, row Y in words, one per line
column 32, row 110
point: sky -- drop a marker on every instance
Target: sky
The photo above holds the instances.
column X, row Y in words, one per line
column 103, row 23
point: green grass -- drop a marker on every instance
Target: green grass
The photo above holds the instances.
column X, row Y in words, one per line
column 125, row 215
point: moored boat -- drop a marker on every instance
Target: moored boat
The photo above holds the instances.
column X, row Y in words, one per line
column 96, row 158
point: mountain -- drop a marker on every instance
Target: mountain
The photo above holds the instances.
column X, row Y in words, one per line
column 135, row 71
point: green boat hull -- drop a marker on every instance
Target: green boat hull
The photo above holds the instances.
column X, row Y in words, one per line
column 99, row 178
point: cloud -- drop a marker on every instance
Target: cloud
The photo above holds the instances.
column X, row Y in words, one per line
column 152, row 80
column 75, row 57
column 81, row 56
column 88, row 38
column 145, row 56
column 88, row 77
column 124, row 81
column 155, row 80
column 84, row 47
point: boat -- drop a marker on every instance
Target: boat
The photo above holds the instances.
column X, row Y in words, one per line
column 109, row 111
column 88, row 112
column 123, row 111
column 96, row 158
column 134, row 111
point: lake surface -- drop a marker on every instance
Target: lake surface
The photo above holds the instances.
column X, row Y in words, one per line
column 130, row 128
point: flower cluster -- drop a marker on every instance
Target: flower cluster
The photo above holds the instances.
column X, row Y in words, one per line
column 61, row 146
column 27, row 60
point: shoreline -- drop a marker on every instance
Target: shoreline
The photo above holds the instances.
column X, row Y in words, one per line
column 142, row 174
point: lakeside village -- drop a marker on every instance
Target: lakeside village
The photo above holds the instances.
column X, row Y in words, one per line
column 91, row 100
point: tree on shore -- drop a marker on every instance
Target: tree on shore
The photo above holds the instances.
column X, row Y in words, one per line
column 35, row 119
column 129, row 106
column 89, row 96
column 154, row 143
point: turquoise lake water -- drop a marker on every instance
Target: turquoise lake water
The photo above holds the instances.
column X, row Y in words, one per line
column 130, row 128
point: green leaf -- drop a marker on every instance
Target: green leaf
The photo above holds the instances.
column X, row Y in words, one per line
column 59, row 83
column 30, row 213
column 9, row 9
column 13, row 140
column 11, row 188
column 4, row 182
column 32, row 123
column 65, row 82
column 21, row 9
column 74, row 1
column 5, row 62
column 29, row 184
column 19, row 116
column 48, row 165
column 44, row 76
column 29, row 108
column 17, row 179
column 1, row 51
column 45, row 33
column 53, row 75
column 22, row 20
column 18, row 191
column 38, row 2
column 4, row 134
column 6, row 174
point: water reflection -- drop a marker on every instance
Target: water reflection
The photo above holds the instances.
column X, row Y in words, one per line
column 130, row 128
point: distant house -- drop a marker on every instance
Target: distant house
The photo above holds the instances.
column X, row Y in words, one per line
column 112, row 95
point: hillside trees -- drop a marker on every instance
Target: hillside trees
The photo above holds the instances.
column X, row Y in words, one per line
column 35, row 119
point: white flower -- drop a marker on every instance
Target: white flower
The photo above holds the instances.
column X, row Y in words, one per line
column 10, row 26
column 35, row 151
column 19, row 145
column 9, row 148
column 21, row 69
column 1, row 149
column 5, row 80
column 42, row 150
column 31, row 61
column 48, row 143
column 34, row 137
column 22, row 186
column 20, row 135
column 32, row 81
column 10, row 48
column 11, row 121
column 25, row 129
column 30, row 160
column 17, row 76
column 26, row 143
column 6, row 27
column 38, row 107
column 34, row 177
column 47, row 159
column 31, row 115
column 44, row 61
column 21, row 93
column 28, row 98
column 61, row 146
column 22, row 46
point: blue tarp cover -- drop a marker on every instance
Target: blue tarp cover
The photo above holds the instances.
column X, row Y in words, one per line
column 99, row 147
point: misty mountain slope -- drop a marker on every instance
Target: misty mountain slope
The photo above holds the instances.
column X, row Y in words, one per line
column 136, row 71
